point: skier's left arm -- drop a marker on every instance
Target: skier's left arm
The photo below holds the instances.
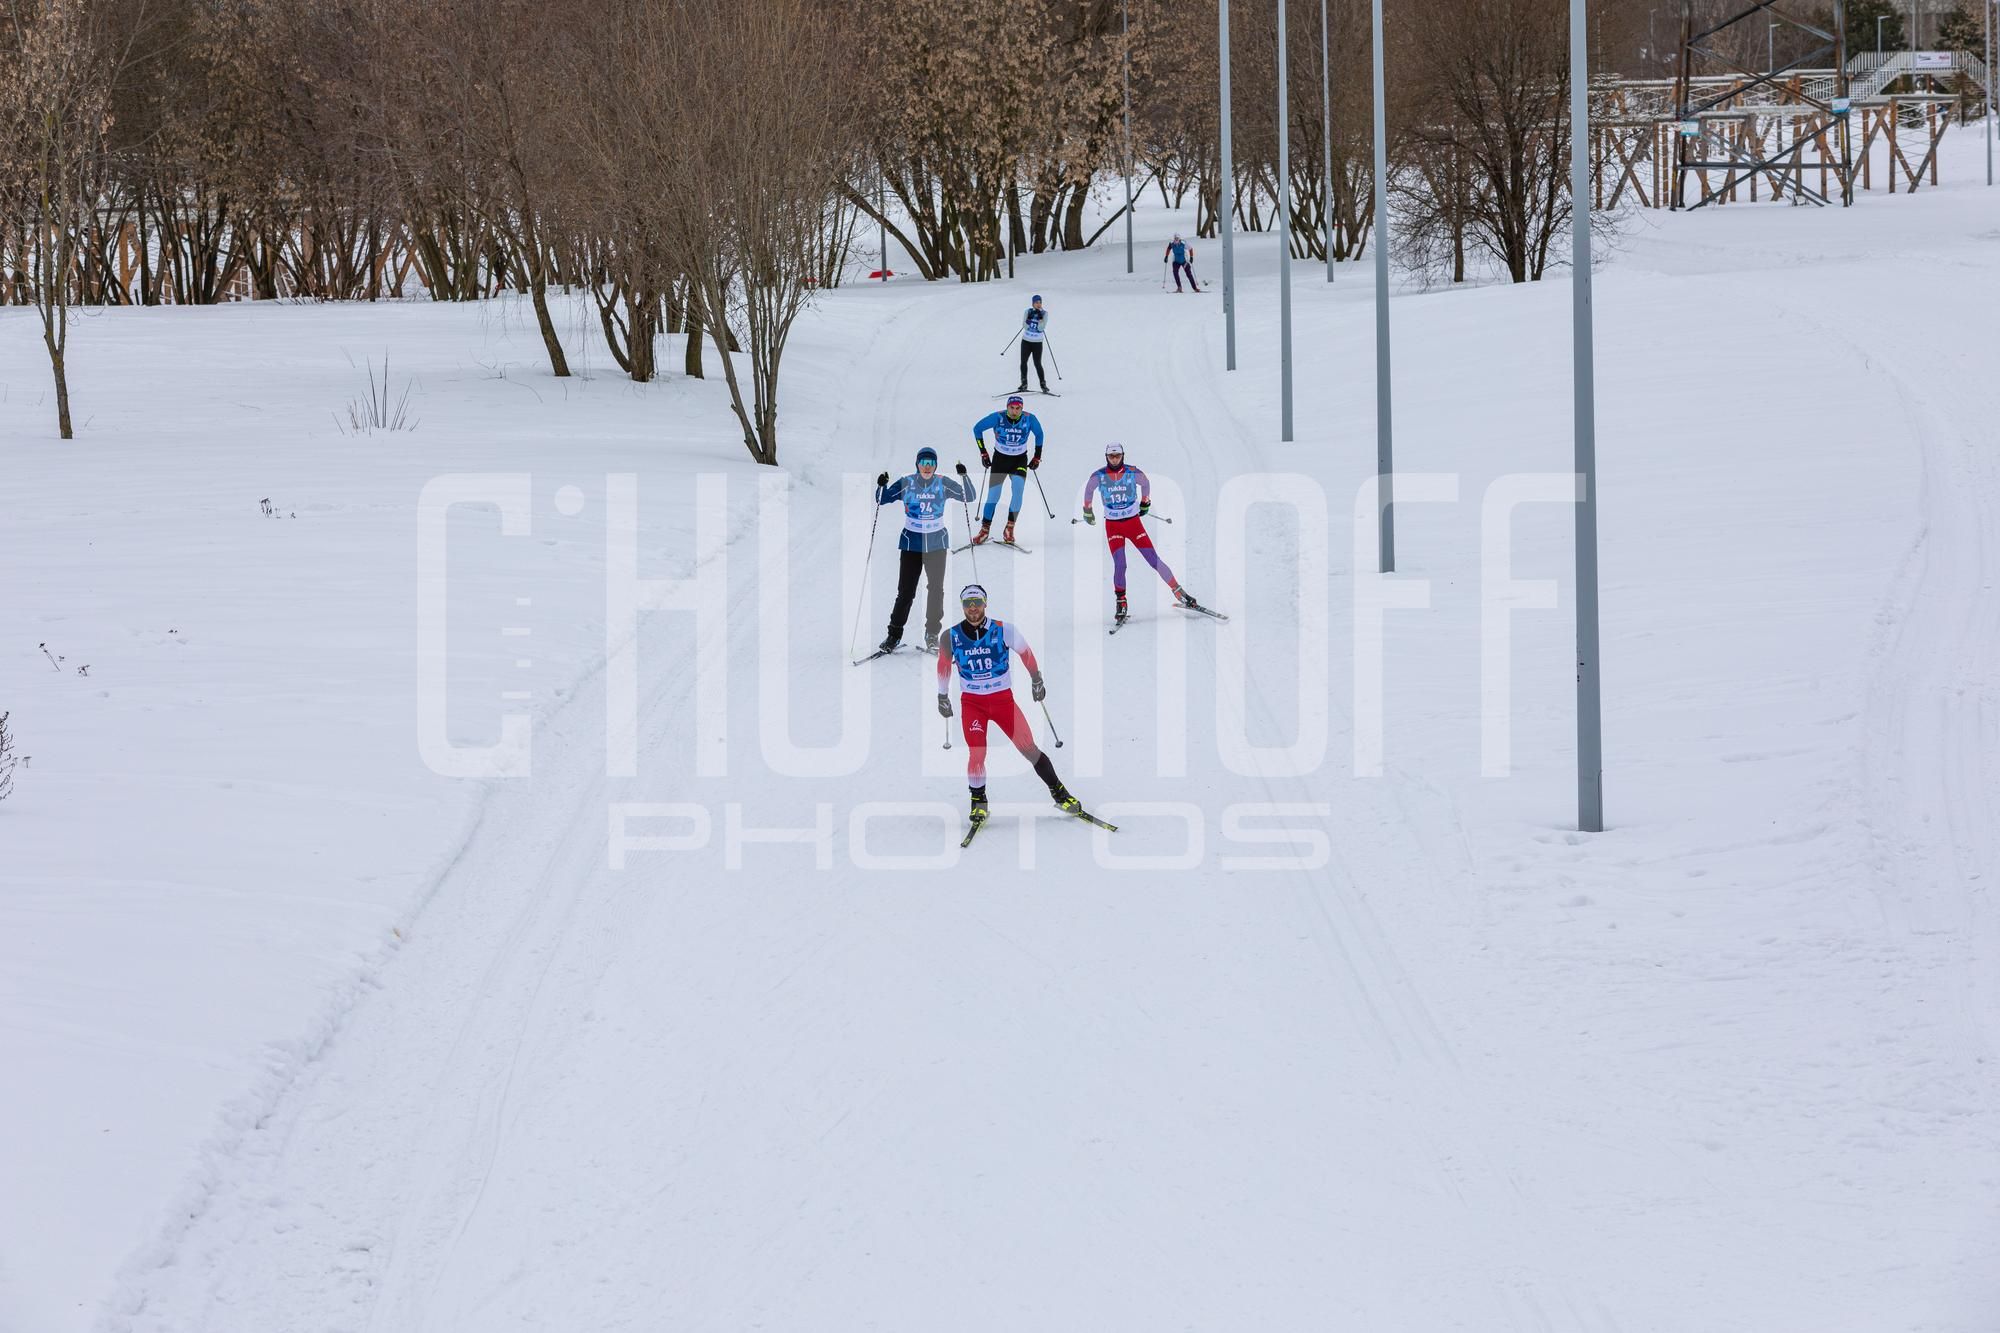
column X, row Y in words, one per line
column 1145, row 493
column 959, row 487
column 1018, row 642
column 1035, row 429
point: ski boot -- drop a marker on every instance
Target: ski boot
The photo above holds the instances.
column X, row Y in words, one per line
column 888, row 645
column 985, row 532
column 1007, row 534
column 1123, row 613
column 978, row 805
column 930, row 641
column 1066, row 803
column 1185, row 597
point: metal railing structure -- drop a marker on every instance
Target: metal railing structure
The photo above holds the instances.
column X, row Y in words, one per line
column 1809, row 132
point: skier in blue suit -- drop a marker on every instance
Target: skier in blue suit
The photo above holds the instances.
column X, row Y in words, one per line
column 1009, row 461
column 924, row 542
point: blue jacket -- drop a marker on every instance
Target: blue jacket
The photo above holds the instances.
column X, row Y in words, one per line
column 1009, row 437
column 924, row 516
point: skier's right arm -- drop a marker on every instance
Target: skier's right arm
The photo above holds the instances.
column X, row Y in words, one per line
column 944, row 675
column 991, row 421
column 1089, row 491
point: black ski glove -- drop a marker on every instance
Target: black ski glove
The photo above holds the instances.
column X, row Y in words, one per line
column 881, row 481
column 985, row 460
column 1035, row 462
column 944, row 705
column 1039, row 690
column 1090, row 517
column 1145, row 508
column 961, row 470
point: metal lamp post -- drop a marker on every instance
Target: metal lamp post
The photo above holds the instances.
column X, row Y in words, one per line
column 1326, row 133
column 1385, row 464
column 1228, row 205
column 1125, row 32
column 1589, row 722
column 1284, row 241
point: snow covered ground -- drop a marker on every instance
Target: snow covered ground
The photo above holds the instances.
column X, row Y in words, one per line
column 299, row 1033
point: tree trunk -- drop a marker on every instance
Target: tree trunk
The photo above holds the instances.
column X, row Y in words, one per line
column 691, row 361
column 55, row 336
column 557, row 362
column 1073, row 219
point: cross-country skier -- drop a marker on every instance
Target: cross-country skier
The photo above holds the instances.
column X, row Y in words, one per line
column 924, row 540
column 1128, row 497
column 1034, row 326
column 1182, row 255
column 983, row 651
column 1008, row 463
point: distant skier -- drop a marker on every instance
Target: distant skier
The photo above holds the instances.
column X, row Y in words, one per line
column 1008, row 463
column 983, row 651
column 1182, row 255
column 1128, row 497
column 1034, row 327
column 924, row 541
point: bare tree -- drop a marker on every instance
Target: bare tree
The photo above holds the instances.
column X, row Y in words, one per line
column 56, row 75
column 1494, row 151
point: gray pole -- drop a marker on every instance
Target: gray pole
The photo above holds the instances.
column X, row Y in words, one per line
column 1326, row 133
column 882, row 226
column 1284, row 240
column 1385, row 463
column 1589, row 724
column 1989, row 90
column 1125, row 32
column 1228, row 206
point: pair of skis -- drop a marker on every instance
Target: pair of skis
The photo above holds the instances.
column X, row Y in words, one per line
column 1195, row 608
column 884, row 652
column 1012, row 546
column 1009, row 393
column 979, row 822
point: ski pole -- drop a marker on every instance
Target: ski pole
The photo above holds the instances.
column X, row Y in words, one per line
column 973, row 549
column 1010, row 342
column 873, row 523
column 1052, row 723
column 1036, row 472
column 947, row 731
column 1052, row 355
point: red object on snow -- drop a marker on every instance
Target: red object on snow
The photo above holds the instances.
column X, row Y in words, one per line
column 882, row 273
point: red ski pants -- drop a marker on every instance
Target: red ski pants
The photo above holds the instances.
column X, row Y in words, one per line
column 1118, row 531
column 979, row 714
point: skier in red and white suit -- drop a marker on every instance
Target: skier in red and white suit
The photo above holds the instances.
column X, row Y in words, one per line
column 1128, row 497
column 983, row 651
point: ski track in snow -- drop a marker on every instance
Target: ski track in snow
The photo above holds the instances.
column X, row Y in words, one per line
column 361, row 1190
column 685, row 1097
